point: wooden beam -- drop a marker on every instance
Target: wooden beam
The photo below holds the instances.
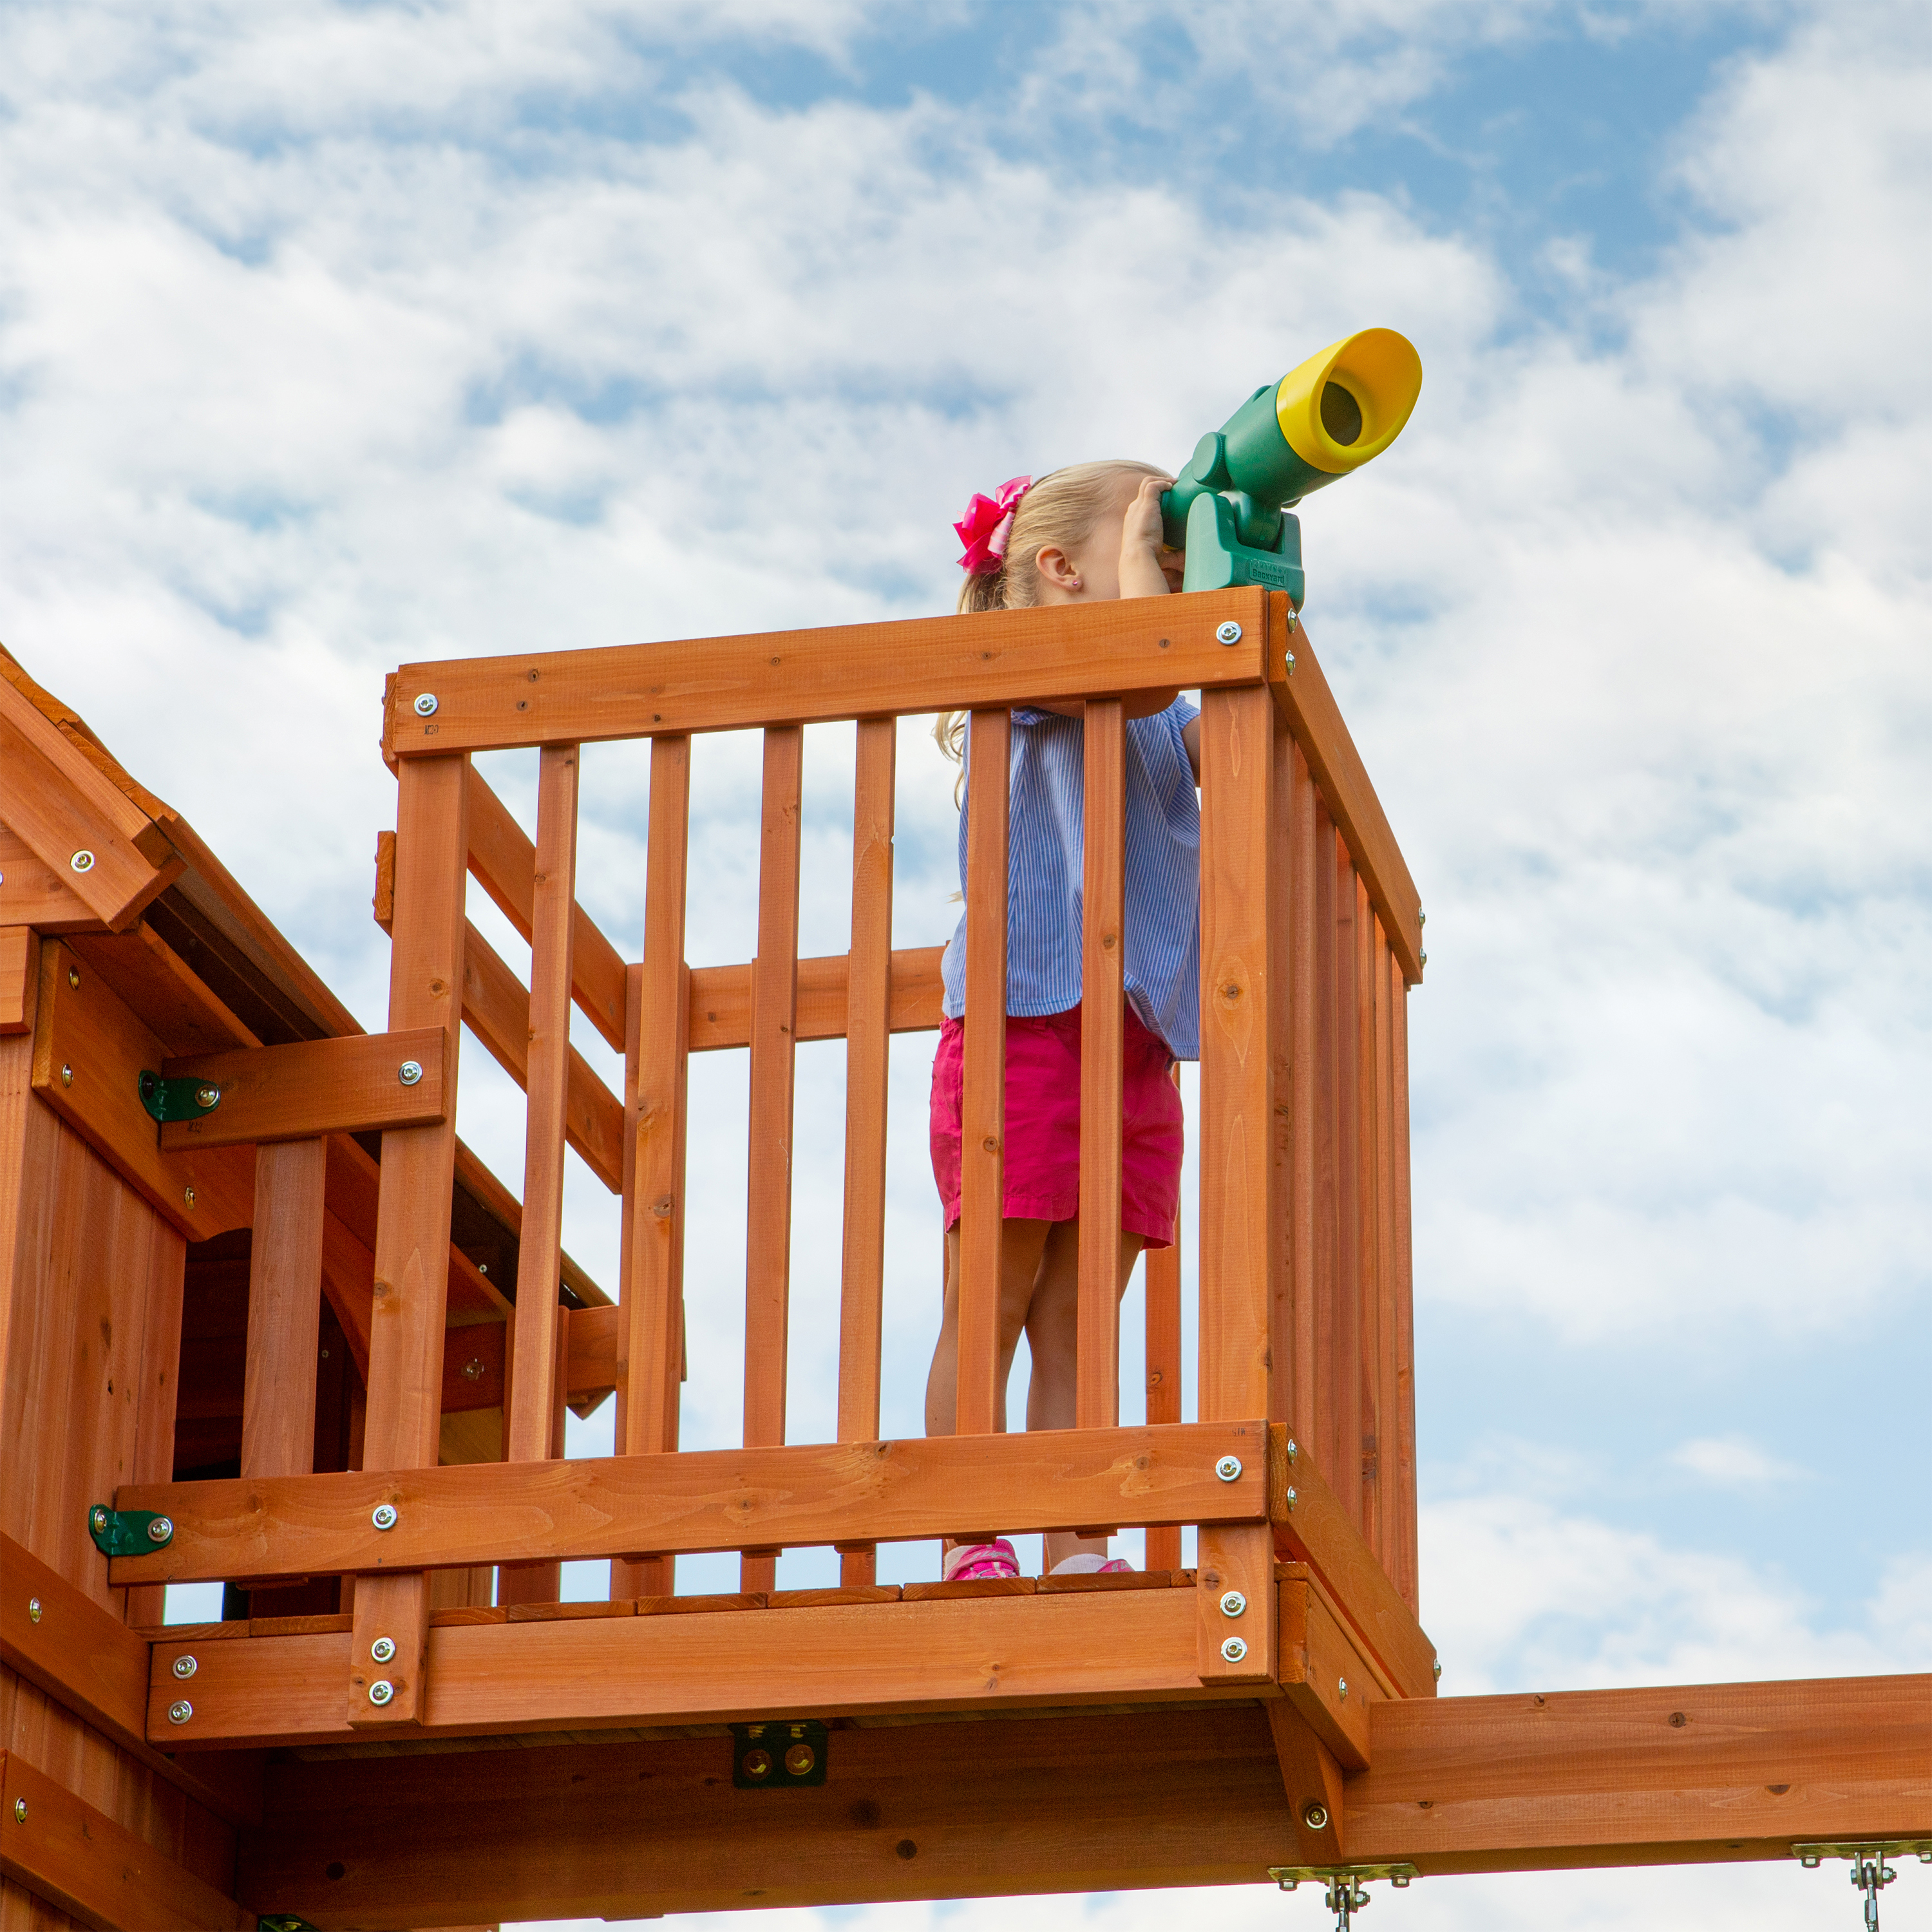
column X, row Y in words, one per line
column 802, row 677
column 1322, row 1674
column 811, row 1493
column 79, row 1859
column 1306, row 702
column 285, row 1268
column 34, row 893
column 1313, row 1783
column 721, row 999
column 352, row 1085
column 502, row 861
column 19, row 977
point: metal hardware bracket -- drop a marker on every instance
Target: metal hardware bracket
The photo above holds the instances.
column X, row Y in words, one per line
column 178, row 1100
column 1345, row 1892
column 128, row 1532
column 767, row 1757
column 1870, row 1873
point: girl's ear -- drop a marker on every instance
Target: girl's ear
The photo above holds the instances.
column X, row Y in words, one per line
column 1055, row 567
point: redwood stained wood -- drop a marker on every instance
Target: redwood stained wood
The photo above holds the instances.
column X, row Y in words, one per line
column 531, row 1421
column 1103, row 993
column 800, row 677
column 20, row 978
column 503, row 862
column 1344, row 1470
column 411, row 1252
column 1302, row 968
column 1406, row 1568
column 868, row 1019
column 699, row 1500
column 1284, row 1356
column 721, row 998
column 34, row 893
column 284, row 1309
column 1389, row 1486
column 774, row 1057
column 1368, row 1223
column 144, row 970
column 1323, row 1675
column 983, row 1101
column 1326, row 1427
column 1310, row 1776
column 1162, row 1274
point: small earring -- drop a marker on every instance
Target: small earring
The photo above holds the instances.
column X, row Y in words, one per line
column 1073, row 584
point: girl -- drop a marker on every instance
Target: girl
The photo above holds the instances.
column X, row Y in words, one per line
column 1090, row 531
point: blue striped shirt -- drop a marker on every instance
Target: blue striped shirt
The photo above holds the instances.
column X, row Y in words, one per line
column 1162, row 897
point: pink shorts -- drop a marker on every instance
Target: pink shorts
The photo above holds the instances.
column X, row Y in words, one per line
column 1042, row 1151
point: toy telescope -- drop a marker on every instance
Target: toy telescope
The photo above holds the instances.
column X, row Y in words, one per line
column 1229, row 505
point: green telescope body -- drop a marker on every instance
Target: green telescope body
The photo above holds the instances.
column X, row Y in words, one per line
column 1228, row 507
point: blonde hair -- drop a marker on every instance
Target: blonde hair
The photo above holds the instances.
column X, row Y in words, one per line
column 1059, row 512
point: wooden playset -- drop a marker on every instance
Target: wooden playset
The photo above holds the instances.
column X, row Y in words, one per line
column 264, row 1320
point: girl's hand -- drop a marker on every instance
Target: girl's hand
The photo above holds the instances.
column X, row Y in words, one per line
column 1148, row 568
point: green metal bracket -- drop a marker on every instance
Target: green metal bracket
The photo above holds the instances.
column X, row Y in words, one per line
column 178, row 1100
column 128, row 1532
column 765, row 1757
column 283, row 1921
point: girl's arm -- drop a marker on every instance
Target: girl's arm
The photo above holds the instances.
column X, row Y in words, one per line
column 1190, row 736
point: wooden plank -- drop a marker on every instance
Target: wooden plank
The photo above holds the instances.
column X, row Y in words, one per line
column 774, row 1057
column 1313, row 1783
column 1010, row 1653
column 1302, row 968
column 20, row 978
column 34, row 893
column 402, row 1423
column 185, row 1013
column 713, row 1499
column 1389, row 1485
column 57, row 1636
column 87, row 1863
column 312, row 1087
column 1102, row 1007
column 503, row 862
column 1326, row 1427
column 1323, row 1675
column 284, row 1309
column 1283, row 1361
column 89, row 1052
column 1368, row 1223
column 82, row 827
column 531, row 1421
column 802, row 677
column 1306, row 702
column 627, row 1579
column 1345, row 1389
column 721, row 998
column 983, row 1101
column 496, row 1007
column 862, row 1275
column 1162, row 1274
column 1406, row 1571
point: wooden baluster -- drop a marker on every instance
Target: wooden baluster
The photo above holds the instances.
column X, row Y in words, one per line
column 1346, row 1361
column 404, row 1417
column 1328, row 1299
column 1163, row 1372
column 1237, row 1158
column 1283, row 1357
column 1406, row 1570
column 1304, row 1097
column 650, row 1335
column 1368, row 1212
column 1102, row 995
column 983, row 1101
column 774, row 1046
column 284, row 1310
column 868, row 1048
column 1388, row 1454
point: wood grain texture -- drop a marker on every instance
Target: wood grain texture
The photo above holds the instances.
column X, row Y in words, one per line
column 868, row 1063
column 983, row 1098
column 186, row 1015
column 20, row 978
column 1283, row 1353
column 503, row 862
column 1345, row 1357
column 312, row 1087
column 1237, row 1558
column 800, row 677
column 1406, row 1572
column 284, row 1309
column 1161, row 1272
column 1368, row 1224
column 697, row 1500
column 1310, row 1777
column 1327, row 1424
column 1323, row 1675
column 1302, row 969
column 721, row 998
column 34, row 893
column 531, row 1420
column 1389, row 1485
column 1306, row 702
column 1102, row 1006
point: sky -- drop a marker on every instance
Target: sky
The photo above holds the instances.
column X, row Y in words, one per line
column 334, row 336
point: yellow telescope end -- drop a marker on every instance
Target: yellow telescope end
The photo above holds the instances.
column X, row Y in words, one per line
column 1349, row 403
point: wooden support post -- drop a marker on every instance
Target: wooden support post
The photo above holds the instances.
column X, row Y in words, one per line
column 650, row 1335
column 1303, row 968
column 1103, row 996
column 1388, row 1342
column 1236, row 1611
column 1312, row 1780
column 1162, row 1276
column 983, row 1101
column 774, row 1053
column 1343, row 1464
column 1368, row 1218
column 284, row 1309
column 1405, row 1573
column 867, row 1038
column 1281, row 1349
column 419, row 1170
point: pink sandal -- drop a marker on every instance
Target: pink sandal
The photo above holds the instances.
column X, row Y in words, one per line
column 1082, row 1563
column 968, row 1562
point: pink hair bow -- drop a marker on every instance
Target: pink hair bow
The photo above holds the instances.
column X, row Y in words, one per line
column 988, row 523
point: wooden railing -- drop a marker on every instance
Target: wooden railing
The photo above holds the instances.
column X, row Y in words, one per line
column 1310, row 936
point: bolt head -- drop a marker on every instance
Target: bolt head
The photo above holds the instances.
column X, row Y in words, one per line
column 100, row 1518
column 82, row 861
column 381, row 1691
column 185, row 1666
column 180, row 1711
column 1435, row 1664
column 409, row 1073
column 1315, row 1816
column 74, row 977
column 799, row 1760
column 67, row 1073
column 19, row 1810
column 1292, row 1450
column 188, row 1197
column 1228, row 1468
column 207, row 1096
column 1341, row 1688
column 161, row 1529
column 1233, row 1603
column 472, row 1369
column 426, row 704
column 33, row 1609
column 1229, row 633
column 383, row 1649
column 383, row 1515
column 1291, row 664
column 757, row 1764
column 1233, row 1648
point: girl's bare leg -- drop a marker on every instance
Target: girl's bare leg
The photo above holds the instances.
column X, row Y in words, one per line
column 1020, row 1247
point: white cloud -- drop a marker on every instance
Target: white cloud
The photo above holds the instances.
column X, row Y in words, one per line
column 1733, row 1461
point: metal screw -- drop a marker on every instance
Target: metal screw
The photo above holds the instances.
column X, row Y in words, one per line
column 66, row 1074
column 426, row 704
column 82, row 861
column 180, row 1711
column 472, row 1369
column 207, row 1096
column 383, row 1649
column 1341, row 1688
column 800, row 1759
column 1232, row 1602
column 1421, row 917
column 1229, row 633
column 161, row 1529
column 1294, row 617
column 757, row 1763
column 185, row 1666
column 19, row 1810
column 73, row 978
column 1233, row 1648
column 1315, row 1816
column 1292, row 1450
column 100, row 1518
column 33, row 1609
column 409, row 1073
column 188, row 1196
column 383, row 1515
column 1288, row 1500
column 1422, row 959
column 1228, row 1468
column 1435, row 1664
column 381, row 1691
column 1291, row 664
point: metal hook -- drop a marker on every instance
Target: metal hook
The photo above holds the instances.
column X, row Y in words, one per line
column 1870, row 1873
